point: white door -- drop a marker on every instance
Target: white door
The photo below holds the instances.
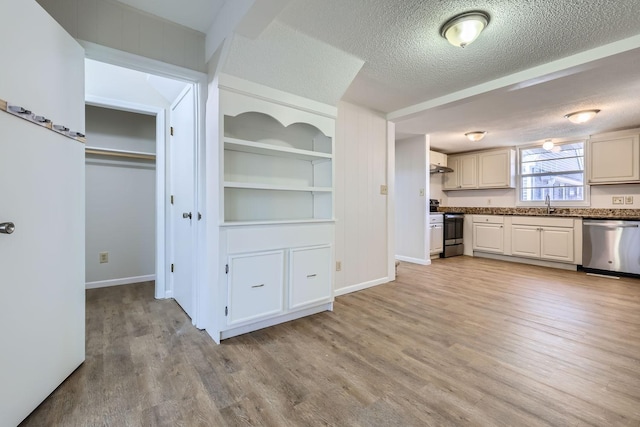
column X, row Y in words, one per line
column 183, row 214
column 42, row 193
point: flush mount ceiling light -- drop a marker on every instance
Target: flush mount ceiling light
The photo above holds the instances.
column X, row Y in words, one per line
column 463, row 29
column 548, row 145
column 581, row 116
column 475, row 136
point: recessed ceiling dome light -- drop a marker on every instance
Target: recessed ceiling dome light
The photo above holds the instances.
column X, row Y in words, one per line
column 581, row 116
column 548, row 145
column 463, row 29
column 475, row 136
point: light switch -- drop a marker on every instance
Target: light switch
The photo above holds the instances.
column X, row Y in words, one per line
column 422, row 192
column 628, row 200
column 384, row 190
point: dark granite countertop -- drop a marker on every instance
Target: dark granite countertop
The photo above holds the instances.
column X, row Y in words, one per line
column 631, row 214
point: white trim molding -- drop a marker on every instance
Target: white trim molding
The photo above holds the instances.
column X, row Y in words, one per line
column 360, row 286
column 413, row 260
column 118, row 282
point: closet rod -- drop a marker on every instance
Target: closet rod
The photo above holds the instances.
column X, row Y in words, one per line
column 119, row 153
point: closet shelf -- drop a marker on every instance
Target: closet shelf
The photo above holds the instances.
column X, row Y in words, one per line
column 258, row 186
column 233, row 144
column 119, row 153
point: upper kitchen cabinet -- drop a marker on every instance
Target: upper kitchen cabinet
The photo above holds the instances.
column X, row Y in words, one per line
column 485, row 169
column 438, row 159
column 614, row 158
column 497, row 169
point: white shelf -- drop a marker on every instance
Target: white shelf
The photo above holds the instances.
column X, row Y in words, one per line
column 275, row 222
column 258, row 186
column 234, row 144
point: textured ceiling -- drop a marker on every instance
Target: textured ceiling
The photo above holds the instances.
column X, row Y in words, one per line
column 407, row 61
column 195, row 14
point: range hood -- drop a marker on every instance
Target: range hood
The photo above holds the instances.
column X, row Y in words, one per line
column 439, row 169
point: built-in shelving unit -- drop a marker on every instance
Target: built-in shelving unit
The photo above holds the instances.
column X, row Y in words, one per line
column 276, row 187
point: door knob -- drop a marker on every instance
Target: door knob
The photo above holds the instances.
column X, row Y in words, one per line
column 7, row 228
column 186, row 215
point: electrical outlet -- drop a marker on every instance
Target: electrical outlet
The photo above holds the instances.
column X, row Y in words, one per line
column 617, row 200
column 104, row 257
column 628, row 200
column 384, row 190
column 338, row 265
column 422, row 192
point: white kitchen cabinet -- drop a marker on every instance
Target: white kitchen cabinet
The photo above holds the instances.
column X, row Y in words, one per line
column 525, row 241
column 614, row 158
column 557, row 243
column 436, row 158
column 465, row 172
column 488, row 233
column 256, row 286
column 436, row 236
column 310, row 276
column 497, row 169
column 549, row 239
column 479, row 170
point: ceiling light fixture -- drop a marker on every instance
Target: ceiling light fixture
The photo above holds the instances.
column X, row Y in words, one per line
column 475, row 136
column 548, row 145
column 581, row 116
column 463, row 29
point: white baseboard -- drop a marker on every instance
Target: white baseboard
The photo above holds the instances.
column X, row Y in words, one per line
column 413, row 260
column 360, row 286
column 118, row 282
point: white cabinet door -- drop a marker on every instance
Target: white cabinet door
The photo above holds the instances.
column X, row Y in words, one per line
column 436, row 158
column 42, row 271
column 495, row 169
column 436, row 239
column 256, row 286
column 525, row 241
column 556, row 244
column 310, row 277
column 468, row 174
column 614, row 160
column 488, row 238
column 450, row 180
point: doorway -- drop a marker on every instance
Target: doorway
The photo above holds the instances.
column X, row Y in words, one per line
column 141, row 92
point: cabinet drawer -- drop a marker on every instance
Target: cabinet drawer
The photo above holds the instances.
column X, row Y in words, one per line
column 310, row 277
column 256, row 286
column 489, row 219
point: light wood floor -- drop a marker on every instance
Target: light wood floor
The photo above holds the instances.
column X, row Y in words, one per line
column 465, row 341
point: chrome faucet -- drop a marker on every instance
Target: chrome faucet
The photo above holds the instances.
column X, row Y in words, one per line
column 547, row 201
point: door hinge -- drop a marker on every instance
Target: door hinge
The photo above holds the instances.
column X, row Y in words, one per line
column 172, row 199
column 226, row 311
column 171, row 130
column 172, row 268
column 226, row 269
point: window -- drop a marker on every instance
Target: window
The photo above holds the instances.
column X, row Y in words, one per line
column 558, row 173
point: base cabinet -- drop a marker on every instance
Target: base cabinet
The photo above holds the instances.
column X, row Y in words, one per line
column 310, row 276
column 256, row 286
column 547, row 243
column 488, row 233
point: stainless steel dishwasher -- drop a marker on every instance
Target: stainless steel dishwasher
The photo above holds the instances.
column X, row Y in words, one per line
column 611, row 245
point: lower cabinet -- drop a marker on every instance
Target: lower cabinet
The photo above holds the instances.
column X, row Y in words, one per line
column 256, row 286
column 310, row 276
column 548, row 243
column 272, row 274
column 488, row 233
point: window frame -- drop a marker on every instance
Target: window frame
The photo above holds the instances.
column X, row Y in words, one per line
column 554, row 203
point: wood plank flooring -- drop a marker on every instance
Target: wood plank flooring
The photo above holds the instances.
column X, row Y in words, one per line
column 465, row 341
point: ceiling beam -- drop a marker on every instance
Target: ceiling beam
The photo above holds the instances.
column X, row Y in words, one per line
column 519, row 77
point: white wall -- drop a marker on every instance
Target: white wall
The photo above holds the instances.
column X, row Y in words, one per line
column 121, row 27
column 120, row 197
column 361, row 211
column 412, row 234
